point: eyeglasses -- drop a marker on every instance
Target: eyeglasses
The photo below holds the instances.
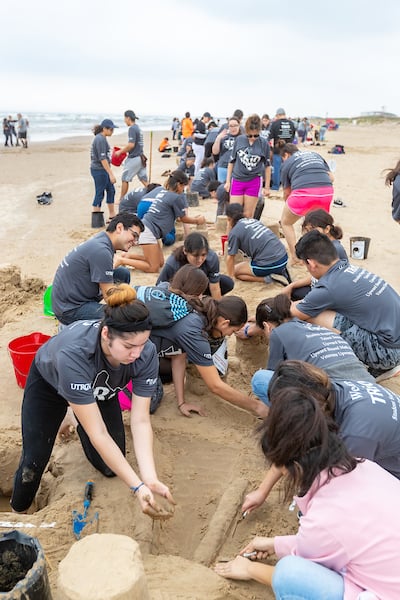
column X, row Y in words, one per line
column 254, row 135
column 134, row 234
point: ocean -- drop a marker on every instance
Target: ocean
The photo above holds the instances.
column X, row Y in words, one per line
column 46, row 126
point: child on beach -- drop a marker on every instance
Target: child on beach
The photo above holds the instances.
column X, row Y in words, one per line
column 349, row 535
column 169, row 204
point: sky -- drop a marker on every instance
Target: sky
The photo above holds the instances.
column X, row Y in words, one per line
column 166, row 57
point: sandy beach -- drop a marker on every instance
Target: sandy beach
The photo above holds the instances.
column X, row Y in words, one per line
column 211, row 462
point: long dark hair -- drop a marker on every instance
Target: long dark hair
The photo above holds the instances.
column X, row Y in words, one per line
column 296, row 435
column 193, row 244
column 176, row 177
column 234, row 212
column 321, row 218
column 189, row 281
column 273, row 310
column 392, row 174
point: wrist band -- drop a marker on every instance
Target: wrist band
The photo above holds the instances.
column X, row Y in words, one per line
column 181, row 404
column 246, row 330
column 137, row 488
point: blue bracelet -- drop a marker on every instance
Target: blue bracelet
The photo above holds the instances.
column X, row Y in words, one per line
column 246, row 331
column 137, row 488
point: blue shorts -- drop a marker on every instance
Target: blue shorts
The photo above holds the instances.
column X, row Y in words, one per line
column 275, row 267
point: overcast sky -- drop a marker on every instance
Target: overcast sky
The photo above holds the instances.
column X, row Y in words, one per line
column 165, row 57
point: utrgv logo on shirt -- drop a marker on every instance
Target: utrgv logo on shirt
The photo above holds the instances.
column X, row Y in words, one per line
column 247, row 160
column 81, row 387
column 151, row 381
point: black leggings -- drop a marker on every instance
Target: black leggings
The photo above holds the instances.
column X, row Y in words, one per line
column 43, row 411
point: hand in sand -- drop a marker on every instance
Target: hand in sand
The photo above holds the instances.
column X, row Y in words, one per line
column 118, row 259
column 186, row 409
column 238, row 568
column 150, row 507
column 253, row 500
column 68, row 426
column 157, row 487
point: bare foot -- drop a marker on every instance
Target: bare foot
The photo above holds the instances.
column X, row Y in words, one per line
column 234, row 569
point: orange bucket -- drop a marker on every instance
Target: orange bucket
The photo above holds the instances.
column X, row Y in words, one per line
column 22, row 351
column 117, row 160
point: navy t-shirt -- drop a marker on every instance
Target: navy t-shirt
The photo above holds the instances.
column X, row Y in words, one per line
column 363, row 297
column 73, row 363
column 210, row 267
column 165, row 208
column 305, row 170
column 78, row 276
column 250, row 160
column 100, row 150
column 368, row 419
column 256, row 241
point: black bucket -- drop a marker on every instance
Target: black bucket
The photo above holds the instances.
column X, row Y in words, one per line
column 97, row 219
column 23, row 573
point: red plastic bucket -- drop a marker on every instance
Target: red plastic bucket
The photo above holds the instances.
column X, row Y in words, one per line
column 22, row 352
column 117, row 160
column 224, row 239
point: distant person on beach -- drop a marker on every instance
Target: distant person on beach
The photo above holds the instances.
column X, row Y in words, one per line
column 100, row 169
column 187, row 166
column 83, row 368
column 199, row 138
column 282, row 131
column 266, row 252
column 393, row 178
column 248, row 166
column 168, row 205
column 13, row 133
column 187, row 126
column 22, row 127
column 195, row 334
column 135, row 163
column 212, row 132
column 223, row 146
column 347, row 543
column 265, row 127
column 85, row 275
column 307, row 185
column 203, row 177
column 323, row 221
column 165, row 146
column 175, row 127
column 195, row 251
column 363, row 307
column 7, row 133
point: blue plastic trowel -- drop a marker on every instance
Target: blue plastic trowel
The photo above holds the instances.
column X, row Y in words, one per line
column 80, row 520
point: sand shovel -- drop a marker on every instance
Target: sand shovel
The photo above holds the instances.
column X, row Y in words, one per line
column 79, row 520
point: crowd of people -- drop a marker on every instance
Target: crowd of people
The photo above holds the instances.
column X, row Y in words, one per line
column 15, row 131
column 328, row 429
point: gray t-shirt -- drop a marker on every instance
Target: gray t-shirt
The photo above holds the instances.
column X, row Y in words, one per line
column 165, row 208
column 99, row 151
column 187, row 335
column 78, row 276
column 256, row 241
column 368, row 418
column 73, row 363
column 201, row 180
column 305, row 170
column 298, row 340
column 130, row 201
column 364, row 298
column 210, row 267
column 135, row 136
column 225, row 150
column 249, row 160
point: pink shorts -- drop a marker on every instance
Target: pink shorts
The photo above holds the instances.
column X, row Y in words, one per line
column 246, row 188
column 301, row 201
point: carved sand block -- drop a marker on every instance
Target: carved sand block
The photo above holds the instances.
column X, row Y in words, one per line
column 103, row 567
